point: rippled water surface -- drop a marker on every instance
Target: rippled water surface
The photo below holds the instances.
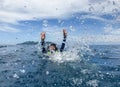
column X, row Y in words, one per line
column 23, row 66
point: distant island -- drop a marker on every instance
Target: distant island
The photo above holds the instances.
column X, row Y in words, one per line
column 28, row 43
column 32, row 43
column 1, row 46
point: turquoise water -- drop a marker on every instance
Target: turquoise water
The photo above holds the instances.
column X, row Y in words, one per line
column 24, row 66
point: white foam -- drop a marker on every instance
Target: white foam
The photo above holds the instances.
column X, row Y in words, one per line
column 15, row 76
column 22, row 70
column 93, row 83
column 65, row 57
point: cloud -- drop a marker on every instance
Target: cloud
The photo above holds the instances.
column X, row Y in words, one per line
column 8, row 29
column 109, row 30
column 101, row 39
column 20, row 10
column 13, row 11
column 116, row 32
column 96, row 17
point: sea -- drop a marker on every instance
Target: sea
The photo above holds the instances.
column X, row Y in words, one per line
column 24, row 65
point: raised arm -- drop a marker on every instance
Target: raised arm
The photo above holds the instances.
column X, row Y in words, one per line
column 64, row 40
column 43, row 42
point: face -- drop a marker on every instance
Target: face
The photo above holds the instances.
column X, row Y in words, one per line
column 51, row 47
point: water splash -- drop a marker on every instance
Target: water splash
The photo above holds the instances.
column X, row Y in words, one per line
column 65, row 57
column 73, row 52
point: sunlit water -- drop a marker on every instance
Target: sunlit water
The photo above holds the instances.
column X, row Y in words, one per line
column 24, row 66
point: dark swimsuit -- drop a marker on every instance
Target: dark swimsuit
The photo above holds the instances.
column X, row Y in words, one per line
column 45, row 50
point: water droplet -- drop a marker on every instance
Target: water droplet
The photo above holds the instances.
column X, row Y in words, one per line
column 25, row 6
column 115, row 10
column 47, row 72
column 59, row 21
column 22, row 70
column 15, row 76
column 56, row 8
column 114, row 3
column 45, row 23
column 91, row 8
column 71, row 28
column 33, row 62
column 82, row 22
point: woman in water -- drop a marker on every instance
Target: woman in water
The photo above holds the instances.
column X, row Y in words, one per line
column 52, row 48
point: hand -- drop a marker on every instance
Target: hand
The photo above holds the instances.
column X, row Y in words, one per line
column 64, row 33
column 42, row 35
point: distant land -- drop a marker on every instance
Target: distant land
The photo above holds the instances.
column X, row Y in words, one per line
column 3, row 46
column 32, row 43
column 28, row 43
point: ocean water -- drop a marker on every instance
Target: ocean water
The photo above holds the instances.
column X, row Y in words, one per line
column 88, row 66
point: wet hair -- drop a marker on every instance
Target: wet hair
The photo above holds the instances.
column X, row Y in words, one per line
column 53, row 44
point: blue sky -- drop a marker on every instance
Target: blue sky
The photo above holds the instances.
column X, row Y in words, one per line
column 98, row 22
